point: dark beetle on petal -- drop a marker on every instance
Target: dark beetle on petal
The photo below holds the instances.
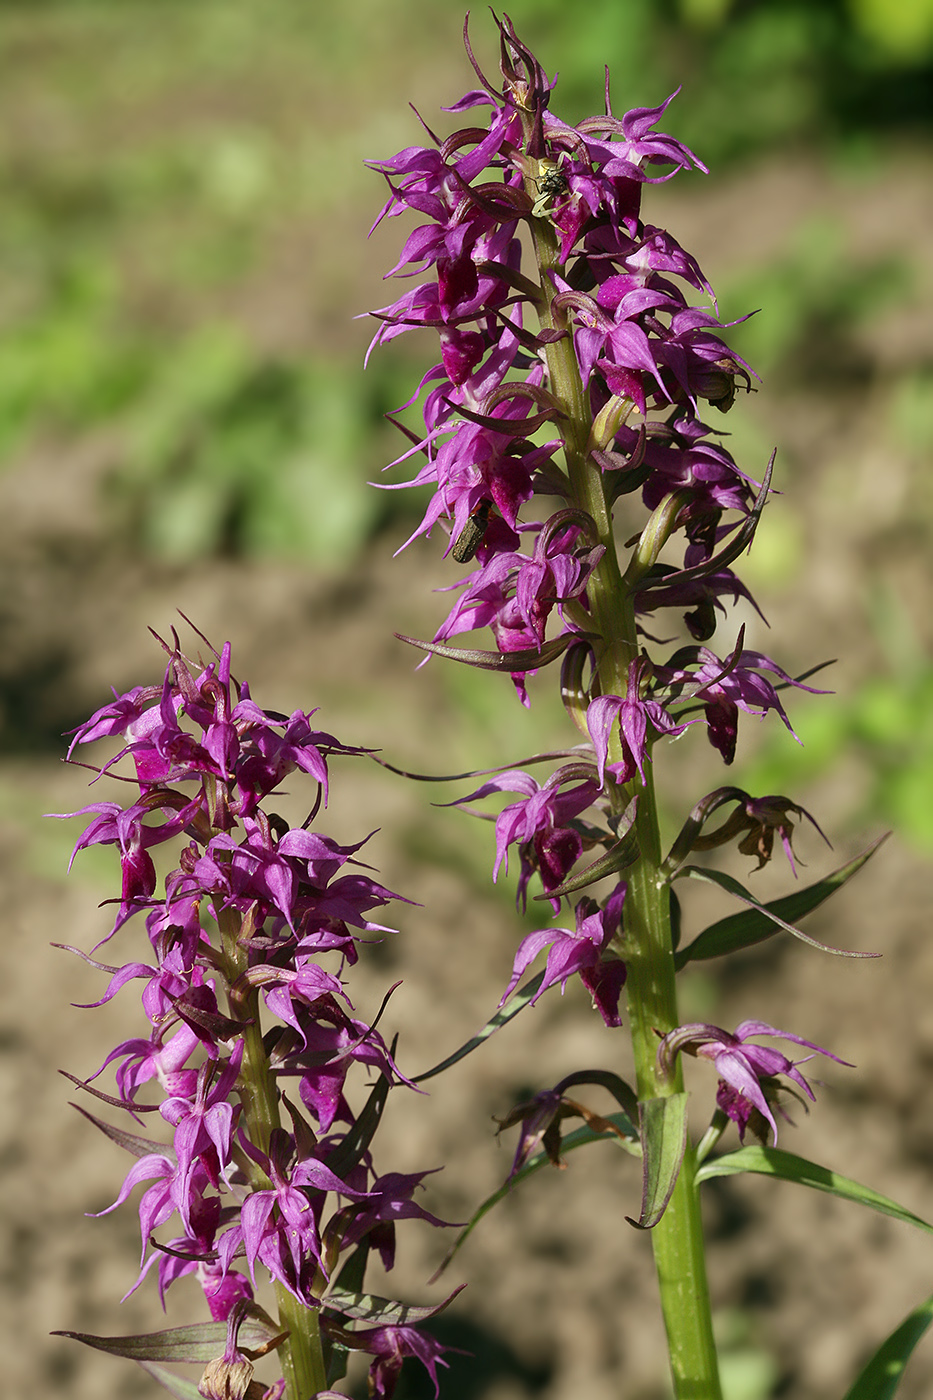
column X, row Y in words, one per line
column 471, row 536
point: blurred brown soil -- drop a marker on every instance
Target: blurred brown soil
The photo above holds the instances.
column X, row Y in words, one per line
column 556, row 1278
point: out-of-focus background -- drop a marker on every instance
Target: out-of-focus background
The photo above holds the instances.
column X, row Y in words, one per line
column 185, row 424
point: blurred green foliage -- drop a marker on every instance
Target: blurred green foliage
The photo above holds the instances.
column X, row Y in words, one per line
column 816, row 299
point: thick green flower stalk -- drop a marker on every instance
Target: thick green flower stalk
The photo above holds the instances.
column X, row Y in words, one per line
column 576, row 372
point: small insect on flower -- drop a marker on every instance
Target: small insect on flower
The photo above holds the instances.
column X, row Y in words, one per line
column 551, row 184
column 471, row 536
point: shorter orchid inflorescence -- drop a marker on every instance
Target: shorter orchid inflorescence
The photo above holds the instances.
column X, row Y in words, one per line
column 248, row 1016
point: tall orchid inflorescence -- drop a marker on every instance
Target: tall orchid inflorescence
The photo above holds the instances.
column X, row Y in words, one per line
column 250, row 1039
column 581, row 352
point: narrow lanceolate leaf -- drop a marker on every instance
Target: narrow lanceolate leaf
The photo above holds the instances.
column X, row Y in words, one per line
column 531, row 659
column 175, row 1385
column 663, row 1142
column 882, row 1376
column 509, row 1008
column 766, row 911
column 200, row 1342
column 754, row 925
column 625, row 1135
column 772, row 1161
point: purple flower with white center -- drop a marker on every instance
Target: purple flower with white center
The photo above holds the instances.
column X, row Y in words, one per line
column 682, row 456
column 583, row 951
column 331, row 1043
column 700, row 364
column 610, row 340
column 747, row 1072
column 204, row 1126
column 160, row 1058
column 525, row 588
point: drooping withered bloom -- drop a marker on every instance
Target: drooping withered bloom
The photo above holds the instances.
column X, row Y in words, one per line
column 249, row 1034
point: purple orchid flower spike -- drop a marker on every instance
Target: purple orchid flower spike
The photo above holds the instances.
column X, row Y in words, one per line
column 747, row 1072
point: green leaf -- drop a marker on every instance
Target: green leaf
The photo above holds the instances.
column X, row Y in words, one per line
column 882, row 1376
column 200, row 1342
column 743, row 930
column 175, row 1385
column 771, row 1161
column 580, row 1137
column 664, row 1140
column 509, row 1008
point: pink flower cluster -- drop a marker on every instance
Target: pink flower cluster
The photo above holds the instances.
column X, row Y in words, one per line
column 241, row 931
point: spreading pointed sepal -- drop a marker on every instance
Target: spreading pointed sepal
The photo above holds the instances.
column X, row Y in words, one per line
column 352, row 1148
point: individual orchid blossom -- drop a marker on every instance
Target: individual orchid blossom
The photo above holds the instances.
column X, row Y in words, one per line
column 747, row 1072
column 584, row 951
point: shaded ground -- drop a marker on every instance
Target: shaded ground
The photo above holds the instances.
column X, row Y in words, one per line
column 561, row 1297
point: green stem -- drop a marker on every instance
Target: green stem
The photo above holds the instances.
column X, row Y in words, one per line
column 302, row 1354
column 677, row 1239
